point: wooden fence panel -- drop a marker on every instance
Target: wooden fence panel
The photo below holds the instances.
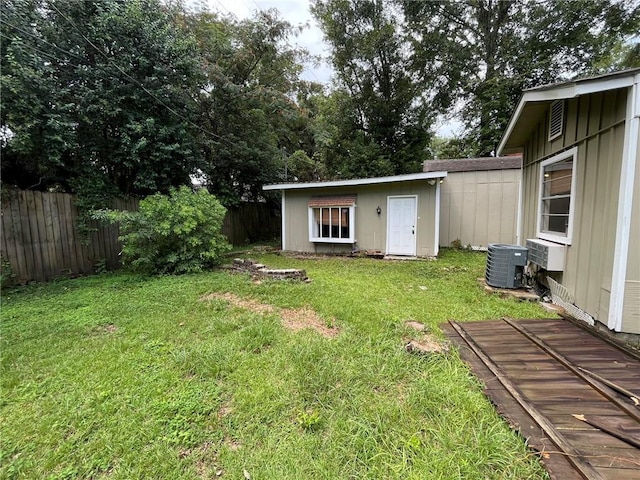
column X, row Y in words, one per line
column 40, row 240
column 251, row 222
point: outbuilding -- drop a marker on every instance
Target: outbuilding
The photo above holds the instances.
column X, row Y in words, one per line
column 580, row 209
column 479, row 200
column 396, row 215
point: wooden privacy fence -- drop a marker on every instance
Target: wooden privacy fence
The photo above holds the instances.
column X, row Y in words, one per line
column 40, row 241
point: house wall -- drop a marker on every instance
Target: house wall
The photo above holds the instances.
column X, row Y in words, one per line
column 371, row 228
column 479, row 207
column 595, row 124
column 631, row 306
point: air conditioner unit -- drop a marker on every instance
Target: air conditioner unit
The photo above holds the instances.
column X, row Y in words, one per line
column 505, row 265
column 547, row 255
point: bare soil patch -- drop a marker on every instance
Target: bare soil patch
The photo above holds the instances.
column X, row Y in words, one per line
column 225, row 409
column 426, row 345
column 109, row 329
column 421, row 327
column 294, row 319
column 206, row 459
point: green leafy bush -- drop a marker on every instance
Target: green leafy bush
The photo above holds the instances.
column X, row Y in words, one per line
column 178, row 233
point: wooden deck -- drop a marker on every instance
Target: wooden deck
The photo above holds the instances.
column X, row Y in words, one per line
column 541, row 373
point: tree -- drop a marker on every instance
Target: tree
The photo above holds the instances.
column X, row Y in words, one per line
column 486, row 51
column 381, row 114
column 98, row 95
column 247, row 106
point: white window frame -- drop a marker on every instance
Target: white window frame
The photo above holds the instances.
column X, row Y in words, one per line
column 352, row 226
column 551, row 236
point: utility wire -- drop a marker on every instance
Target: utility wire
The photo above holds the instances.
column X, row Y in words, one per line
column 134, row 80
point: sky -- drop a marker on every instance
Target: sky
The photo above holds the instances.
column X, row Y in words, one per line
column 297, row 13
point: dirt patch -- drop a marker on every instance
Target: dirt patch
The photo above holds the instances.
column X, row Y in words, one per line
column 292, row 318
column 300, row 318
column 426, row 345
column 236, row 301
column 206, row 459
column 421, row 327
column 232, row 444
column 225, row 409
column 109, row 329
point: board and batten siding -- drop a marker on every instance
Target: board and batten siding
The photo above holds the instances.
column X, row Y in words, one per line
column 595, row 124
column 479, row 207
column 371, row 228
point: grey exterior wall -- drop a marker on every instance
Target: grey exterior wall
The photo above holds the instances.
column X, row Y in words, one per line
column 479, row 207
column 371, row 228
column 595, row 124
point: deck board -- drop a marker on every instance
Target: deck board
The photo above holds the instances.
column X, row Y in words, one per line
column 556, row 392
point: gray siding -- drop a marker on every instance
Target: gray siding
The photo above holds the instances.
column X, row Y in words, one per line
column 479, row 207
column 371, row 228
column 595, row 124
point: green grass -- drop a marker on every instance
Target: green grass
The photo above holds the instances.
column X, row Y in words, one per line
column 119, row 376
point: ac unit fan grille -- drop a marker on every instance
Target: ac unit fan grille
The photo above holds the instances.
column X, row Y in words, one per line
column 505, row 265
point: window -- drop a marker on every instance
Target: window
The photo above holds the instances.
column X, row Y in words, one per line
column 556, row 119
column 557, row 197
column 331, row 219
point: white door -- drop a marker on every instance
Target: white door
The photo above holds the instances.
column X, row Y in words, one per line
column 401, row 225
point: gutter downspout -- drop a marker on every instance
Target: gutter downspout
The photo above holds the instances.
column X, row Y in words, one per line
column 436, row 243
column 625, row 207
column 284, row 223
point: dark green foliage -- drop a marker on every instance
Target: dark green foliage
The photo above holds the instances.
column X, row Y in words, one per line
column 178, row 233
column 453, row 147
column 102, row 87
column 483, row 53
column 381, row 116
column 247, row 108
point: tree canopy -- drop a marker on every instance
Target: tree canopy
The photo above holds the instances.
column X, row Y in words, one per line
column 487, row 51
column 98, row 93
column 109, row 97
column 135, row 97
column 381, row 112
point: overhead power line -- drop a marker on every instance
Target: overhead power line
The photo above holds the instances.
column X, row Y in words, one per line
column 109, row 61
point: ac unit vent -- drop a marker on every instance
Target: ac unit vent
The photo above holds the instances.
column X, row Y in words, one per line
column 556, row 119
column 545, row 254
column 505, row 265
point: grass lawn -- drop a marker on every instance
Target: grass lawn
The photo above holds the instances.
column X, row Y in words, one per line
column 123, row 377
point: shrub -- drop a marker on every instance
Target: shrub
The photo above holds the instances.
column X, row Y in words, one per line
column 178, row 233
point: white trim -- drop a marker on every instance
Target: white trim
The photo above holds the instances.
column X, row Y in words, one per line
column 284, row 223
column 352, row 226
column 625, row 205
column 415, row 223
column 357, row 181
column 572, row 152
column 436, row 242
column 519, row 215
column 566, row 90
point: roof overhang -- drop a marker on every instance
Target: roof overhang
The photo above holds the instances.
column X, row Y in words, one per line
column 534, row 102
column 357, row 181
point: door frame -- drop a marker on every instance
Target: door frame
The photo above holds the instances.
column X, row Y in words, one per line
column 415, row 223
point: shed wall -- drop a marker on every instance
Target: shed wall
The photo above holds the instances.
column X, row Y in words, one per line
column 479, row 207
column 371, row 228
column 595, row 124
